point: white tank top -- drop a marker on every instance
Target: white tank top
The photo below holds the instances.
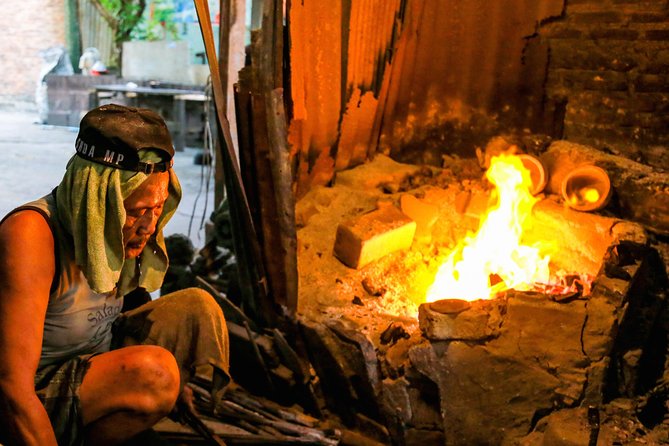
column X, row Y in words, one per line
column 78, row 321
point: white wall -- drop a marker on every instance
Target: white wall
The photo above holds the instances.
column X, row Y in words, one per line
column 161, row 61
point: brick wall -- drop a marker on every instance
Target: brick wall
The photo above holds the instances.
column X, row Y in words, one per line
column 29, row 26
column 609, row 76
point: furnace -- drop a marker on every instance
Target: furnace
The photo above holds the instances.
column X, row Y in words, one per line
column 467, row 370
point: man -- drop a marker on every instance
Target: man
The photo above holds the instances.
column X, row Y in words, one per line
column 73, row 367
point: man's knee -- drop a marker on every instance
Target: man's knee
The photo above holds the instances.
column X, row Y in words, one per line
column 153, row 374
column 199, row 302
column 199, row 298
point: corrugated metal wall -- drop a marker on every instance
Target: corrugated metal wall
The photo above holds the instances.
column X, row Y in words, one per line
column 370, row 32
column 458, row 58
column 97, row 32
column 339, row 51
column 370, row 72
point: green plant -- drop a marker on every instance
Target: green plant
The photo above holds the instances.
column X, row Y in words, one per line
column 158, row 23
column 122, row 16
column 129, row 20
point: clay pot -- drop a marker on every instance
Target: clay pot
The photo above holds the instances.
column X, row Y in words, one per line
column 537, row 172
column 586, row 188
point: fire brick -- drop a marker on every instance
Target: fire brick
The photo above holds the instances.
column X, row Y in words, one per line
column 371, row 236
column 482, row 320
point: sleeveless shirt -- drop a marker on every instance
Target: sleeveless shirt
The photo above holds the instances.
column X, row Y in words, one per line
column 78, row 320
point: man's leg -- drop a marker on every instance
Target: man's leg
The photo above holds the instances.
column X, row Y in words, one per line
column 126, row 391
column 188, row 323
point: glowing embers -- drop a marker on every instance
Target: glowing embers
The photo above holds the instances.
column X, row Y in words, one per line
column 494, row 259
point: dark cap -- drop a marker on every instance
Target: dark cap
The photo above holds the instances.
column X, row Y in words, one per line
column 113, row 135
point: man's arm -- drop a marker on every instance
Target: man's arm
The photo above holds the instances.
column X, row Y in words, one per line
column 27, row 267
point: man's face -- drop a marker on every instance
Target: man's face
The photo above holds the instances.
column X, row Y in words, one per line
column 142, row 208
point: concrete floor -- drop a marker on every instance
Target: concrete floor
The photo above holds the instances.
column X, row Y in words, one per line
column 33, row 159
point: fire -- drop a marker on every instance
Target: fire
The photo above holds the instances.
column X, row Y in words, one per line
column 589, row 195
column 494, row 259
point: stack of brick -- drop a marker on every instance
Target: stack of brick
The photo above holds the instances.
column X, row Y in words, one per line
column 609, row 73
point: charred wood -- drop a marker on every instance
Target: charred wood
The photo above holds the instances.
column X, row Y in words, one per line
column 394, row 333
column 259, row 358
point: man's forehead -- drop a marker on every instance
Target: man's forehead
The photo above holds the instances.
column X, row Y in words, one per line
column 153, row 191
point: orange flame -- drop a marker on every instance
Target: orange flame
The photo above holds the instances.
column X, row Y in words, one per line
column 494, row 259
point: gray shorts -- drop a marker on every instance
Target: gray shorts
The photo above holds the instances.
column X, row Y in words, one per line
column 189, row 323
column 57, row 387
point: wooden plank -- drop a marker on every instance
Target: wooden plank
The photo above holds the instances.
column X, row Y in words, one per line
column 266, row 158
column 252, row 146
column 225, row 20
column 247, row 247
column 262, row 78
column 285, row 252
column 247, row 140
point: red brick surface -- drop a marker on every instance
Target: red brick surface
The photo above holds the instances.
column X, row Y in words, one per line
column 29, row 26
column 609, row 61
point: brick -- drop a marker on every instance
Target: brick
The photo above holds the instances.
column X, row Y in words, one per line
column 568, row 33
column 629, row 6
column 612, row 136
column 554, row 80
column 648, row 17
column 575, row 128
column 594, row 80
column 651, row 83
column 658, row 63
column 424, row 214
column 34, row 25
column 660, row 101
column 561, row 30
column 651, row 120
column 614, row 34
column 581, row 2
column 609, row 101
column 589, row 6
column 646, row 103
column 607, row 81
column 618, row 120
column 591, row 117
column 371, row 236
column 597, row 17
column 601, row 116
column 588, row 55
column 657, row 34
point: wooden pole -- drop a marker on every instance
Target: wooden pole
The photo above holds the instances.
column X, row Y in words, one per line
column 226, row 19
column 253, row 282
column 286, row 252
